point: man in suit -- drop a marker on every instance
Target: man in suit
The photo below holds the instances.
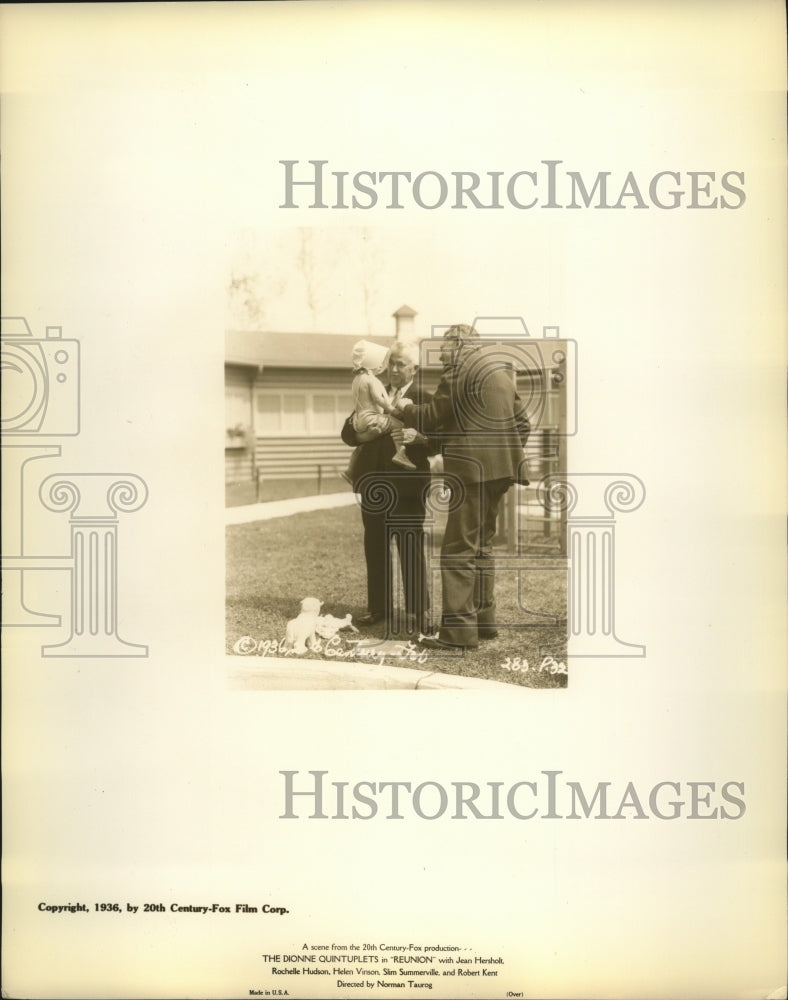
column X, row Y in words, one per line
column 483, row 429
column 393, row 501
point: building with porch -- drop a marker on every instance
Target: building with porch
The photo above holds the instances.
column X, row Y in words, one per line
column 286, row 398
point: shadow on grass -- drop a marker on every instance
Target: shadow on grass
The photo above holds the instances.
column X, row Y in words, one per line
column 271, row 565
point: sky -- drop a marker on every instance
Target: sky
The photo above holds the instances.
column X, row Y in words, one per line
column 357, row 277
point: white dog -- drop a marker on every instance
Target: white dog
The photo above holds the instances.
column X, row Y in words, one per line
column 328, row 626
column 300, row 632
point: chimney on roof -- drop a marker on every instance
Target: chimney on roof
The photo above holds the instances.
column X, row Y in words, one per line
column 404, row 326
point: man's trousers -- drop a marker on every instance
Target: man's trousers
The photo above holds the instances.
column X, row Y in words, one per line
column 405, row 523
column 468, row 566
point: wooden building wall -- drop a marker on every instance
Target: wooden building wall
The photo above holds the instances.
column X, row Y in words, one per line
column 293, row 424
column 238, row 449
column 292, row 418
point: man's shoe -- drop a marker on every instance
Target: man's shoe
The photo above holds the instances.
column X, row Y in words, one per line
column 488, row 633
column 370, row 619
column 438, row 645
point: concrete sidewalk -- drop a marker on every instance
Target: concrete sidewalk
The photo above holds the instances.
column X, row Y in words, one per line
column 257, row 673
column 282, row 508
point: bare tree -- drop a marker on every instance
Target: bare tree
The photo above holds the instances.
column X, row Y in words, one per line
column 328, row 272
column 255, row 285
column 308, row 267
column 370, row 265
column 246, row 298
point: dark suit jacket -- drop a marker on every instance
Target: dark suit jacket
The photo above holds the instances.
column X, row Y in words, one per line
column 478, row 415
column 376, row 455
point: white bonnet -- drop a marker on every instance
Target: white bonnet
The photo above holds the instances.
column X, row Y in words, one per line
column 373, row 357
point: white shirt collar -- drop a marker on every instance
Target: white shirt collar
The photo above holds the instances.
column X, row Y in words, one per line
column 399, row 393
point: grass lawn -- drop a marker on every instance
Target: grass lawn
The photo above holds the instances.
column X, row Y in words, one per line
column 272, row 565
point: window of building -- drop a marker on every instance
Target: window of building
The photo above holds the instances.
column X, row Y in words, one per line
column 294, row 413
column 324, row 414
column 301, row 414
column 269, row 413
column 237, row 414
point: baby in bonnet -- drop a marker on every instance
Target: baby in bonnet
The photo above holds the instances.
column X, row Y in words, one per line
column 372, row 406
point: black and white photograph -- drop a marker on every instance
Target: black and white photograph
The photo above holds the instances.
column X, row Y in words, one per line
column 396, row 500
column 393, row 493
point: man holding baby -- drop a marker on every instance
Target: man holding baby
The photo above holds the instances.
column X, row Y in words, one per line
column 392, row 499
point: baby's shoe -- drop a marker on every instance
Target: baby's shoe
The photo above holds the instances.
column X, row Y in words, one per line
column 402, row 459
